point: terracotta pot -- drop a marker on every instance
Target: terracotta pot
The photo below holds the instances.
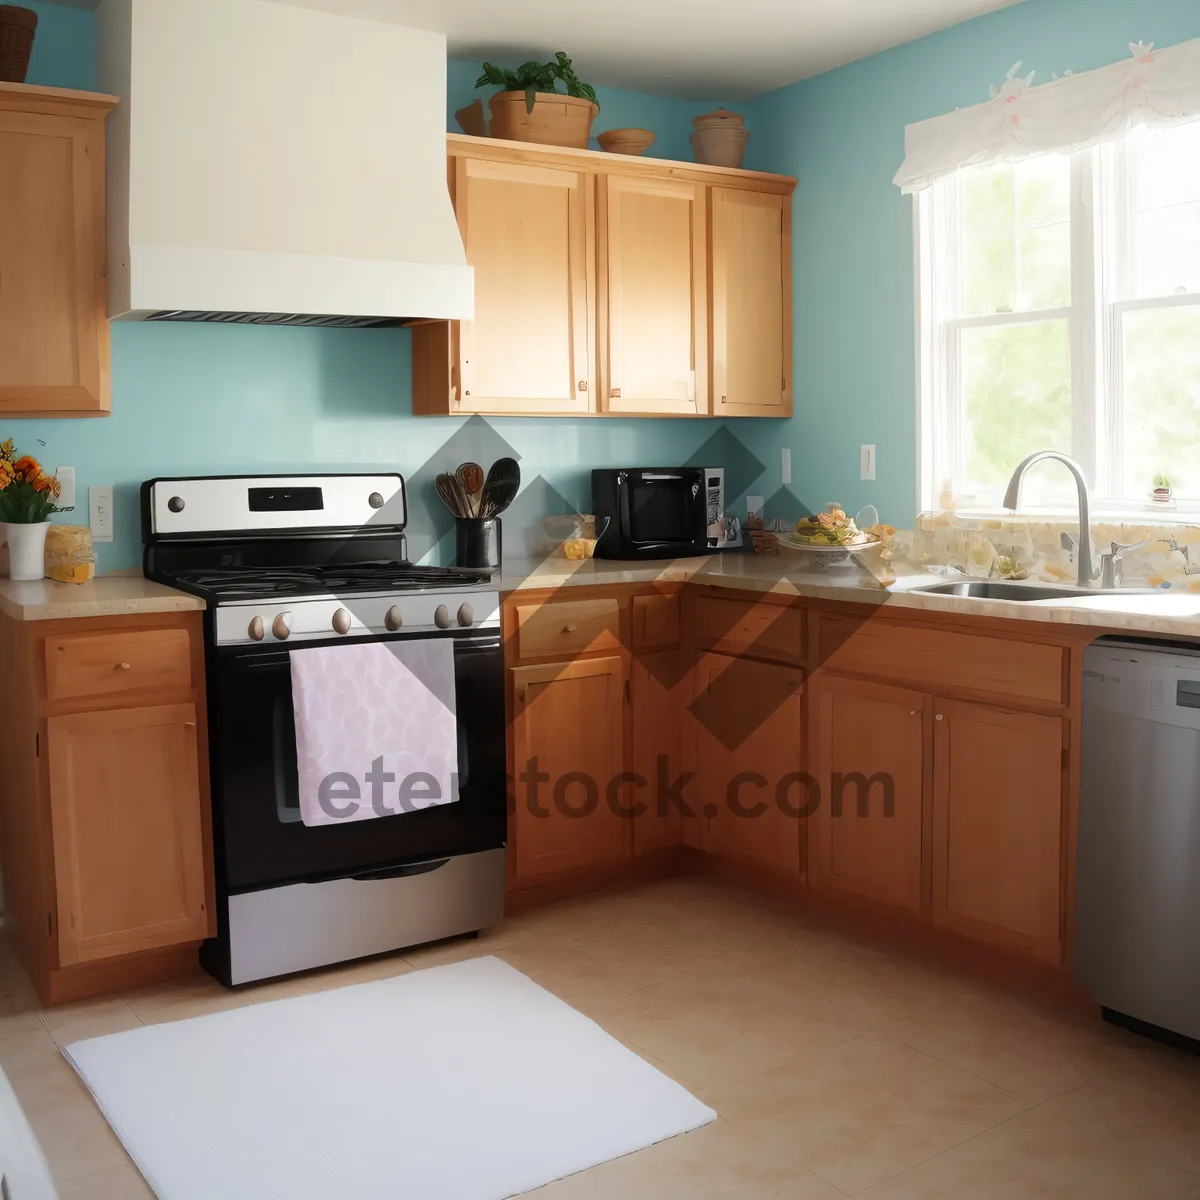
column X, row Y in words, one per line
column 555, row 120
column 17, row 27
column 625, row 141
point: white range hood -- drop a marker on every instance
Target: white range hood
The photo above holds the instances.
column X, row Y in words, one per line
column 269, row 162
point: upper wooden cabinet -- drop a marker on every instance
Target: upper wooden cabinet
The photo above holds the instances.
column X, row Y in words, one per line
column 54, row 349
column 652, row 250
column 612, row 285
column 528, row 232
column 751, row 304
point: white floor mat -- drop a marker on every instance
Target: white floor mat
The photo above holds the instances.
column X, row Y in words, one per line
column 463, row 1082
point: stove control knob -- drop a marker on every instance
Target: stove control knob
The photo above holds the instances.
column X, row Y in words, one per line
column 441, row 617
column 393, row 619
column 466, row 614
column 281, row 627
column 341, row 621
column 256, row 629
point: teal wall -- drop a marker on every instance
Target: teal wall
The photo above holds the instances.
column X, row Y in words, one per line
column 200, row 399
column 842, row 135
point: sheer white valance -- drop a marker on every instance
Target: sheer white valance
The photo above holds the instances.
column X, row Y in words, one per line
column 1152, row 87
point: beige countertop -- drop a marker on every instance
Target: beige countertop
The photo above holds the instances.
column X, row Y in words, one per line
column 107, row 596
column 1168, row 613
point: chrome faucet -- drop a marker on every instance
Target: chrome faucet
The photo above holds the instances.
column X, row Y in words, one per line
column 1085, row 573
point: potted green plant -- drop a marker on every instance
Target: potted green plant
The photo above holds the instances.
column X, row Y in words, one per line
column 27, row 498
column 530, row 108
column 1162, row 489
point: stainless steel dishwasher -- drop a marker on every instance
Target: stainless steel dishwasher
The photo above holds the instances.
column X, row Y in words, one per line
column 1137, row 938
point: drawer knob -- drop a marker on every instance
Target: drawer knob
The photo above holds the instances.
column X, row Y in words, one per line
column 570, row 627
column 122, row 666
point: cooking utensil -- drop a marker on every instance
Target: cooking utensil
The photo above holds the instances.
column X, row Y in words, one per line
column 452, row 495
column 501, row 486
column 470, row 475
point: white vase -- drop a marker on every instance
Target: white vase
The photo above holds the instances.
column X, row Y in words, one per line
column 26, row 549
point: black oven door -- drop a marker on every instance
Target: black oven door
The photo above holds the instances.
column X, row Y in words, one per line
column 259, row 837
column 664, row 512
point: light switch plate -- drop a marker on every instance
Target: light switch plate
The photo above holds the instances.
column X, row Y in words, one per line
column 785, row 464
column 100, row 512
column 866, row 462
column 66, row 479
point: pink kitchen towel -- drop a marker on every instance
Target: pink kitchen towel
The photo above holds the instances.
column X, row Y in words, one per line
column 376, row 731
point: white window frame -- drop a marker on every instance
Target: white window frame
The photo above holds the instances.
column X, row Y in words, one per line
column 1102, row 253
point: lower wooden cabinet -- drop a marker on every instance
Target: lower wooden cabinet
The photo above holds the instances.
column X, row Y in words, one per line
column 125, row 819
column 867, row 834
column 656, row 701
column 998, row 825
column 746, row 730
column 569, row 728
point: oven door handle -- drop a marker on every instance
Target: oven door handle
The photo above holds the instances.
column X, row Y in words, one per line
column 401, row 872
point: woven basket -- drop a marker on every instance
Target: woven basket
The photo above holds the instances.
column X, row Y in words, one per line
column 17, row 26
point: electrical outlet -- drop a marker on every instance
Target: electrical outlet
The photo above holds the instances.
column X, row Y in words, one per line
column 866, row 462
column 786, row 464
column 66, row 480
column 100, row 512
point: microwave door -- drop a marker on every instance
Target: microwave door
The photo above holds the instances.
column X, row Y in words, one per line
column 659, row 510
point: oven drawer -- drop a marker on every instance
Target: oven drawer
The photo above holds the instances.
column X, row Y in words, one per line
column 568, row 627
column 97, row 664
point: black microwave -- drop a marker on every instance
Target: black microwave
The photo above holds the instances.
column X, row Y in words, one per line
column 658, row 512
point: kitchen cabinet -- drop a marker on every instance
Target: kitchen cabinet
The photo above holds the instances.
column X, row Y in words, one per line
column 125, row 823
column 998, row 792
column 528, row 233
column 746, row 732
column 656, row 756
column 612, row 285
column 568, row 730
column 751, row 304
column 54, row 344
column 867, row 835
column 653, row 252
column 105, row 827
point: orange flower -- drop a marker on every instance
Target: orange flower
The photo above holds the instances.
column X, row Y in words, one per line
column 27, row 467
column 46, row 483
column 6, row 473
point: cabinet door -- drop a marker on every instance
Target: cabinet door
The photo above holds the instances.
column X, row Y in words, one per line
column 128, row 847
column 54, row 356
column 656, row 753
column 751, row 304
column 655, row 288
column 868, row 833
column 747, row 725
column 997, row 825
column 568, row 725
column 528, row 232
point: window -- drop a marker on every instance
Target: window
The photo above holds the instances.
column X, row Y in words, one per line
column 1060, row 308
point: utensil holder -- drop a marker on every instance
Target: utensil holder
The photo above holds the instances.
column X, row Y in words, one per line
column 477, row 542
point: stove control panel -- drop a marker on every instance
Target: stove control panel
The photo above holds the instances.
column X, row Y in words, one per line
column 250, row 621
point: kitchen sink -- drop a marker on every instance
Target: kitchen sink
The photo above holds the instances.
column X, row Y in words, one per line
column 1006, row 589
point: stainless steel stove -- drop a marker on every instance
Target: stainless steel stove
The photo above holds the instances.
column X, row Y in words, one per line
column 314, row 561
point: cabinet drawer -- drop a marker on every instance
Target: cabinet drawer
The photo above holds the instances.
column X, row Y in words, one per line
column 655, row 622
column 96, row 664
column 569, row 626
column 760, row 630
column 932, row 659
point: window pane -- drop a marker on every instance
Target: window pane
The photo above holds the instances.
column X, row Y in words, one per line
column 1016, row 387
column 1165, row 175
column 1161, row 422
column 1016, row 236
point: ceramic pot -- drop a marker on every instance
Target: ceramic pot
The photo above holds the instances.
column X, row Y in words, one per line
column 625, row 141
column 26, row 549
column 555, row 120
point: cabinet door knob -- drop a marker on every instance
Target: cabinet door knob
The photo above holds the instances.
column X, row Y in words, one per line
column 122, row 666
column 582, row 385
column 615, row 393
column 938, row 717
column 914, row 712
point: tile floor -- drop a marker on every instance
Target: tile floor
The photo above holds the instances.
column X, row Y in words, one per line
column 838, row 1067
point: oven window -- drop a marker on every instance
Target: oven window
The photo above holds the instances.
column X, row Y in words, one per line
column 659, row 510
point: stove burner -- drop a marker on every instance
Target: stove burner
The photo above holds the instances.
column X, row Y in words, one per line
column 335, row 579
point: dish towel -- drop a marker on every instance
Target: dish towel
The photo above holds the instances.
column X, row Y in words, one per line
column 376, row 731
